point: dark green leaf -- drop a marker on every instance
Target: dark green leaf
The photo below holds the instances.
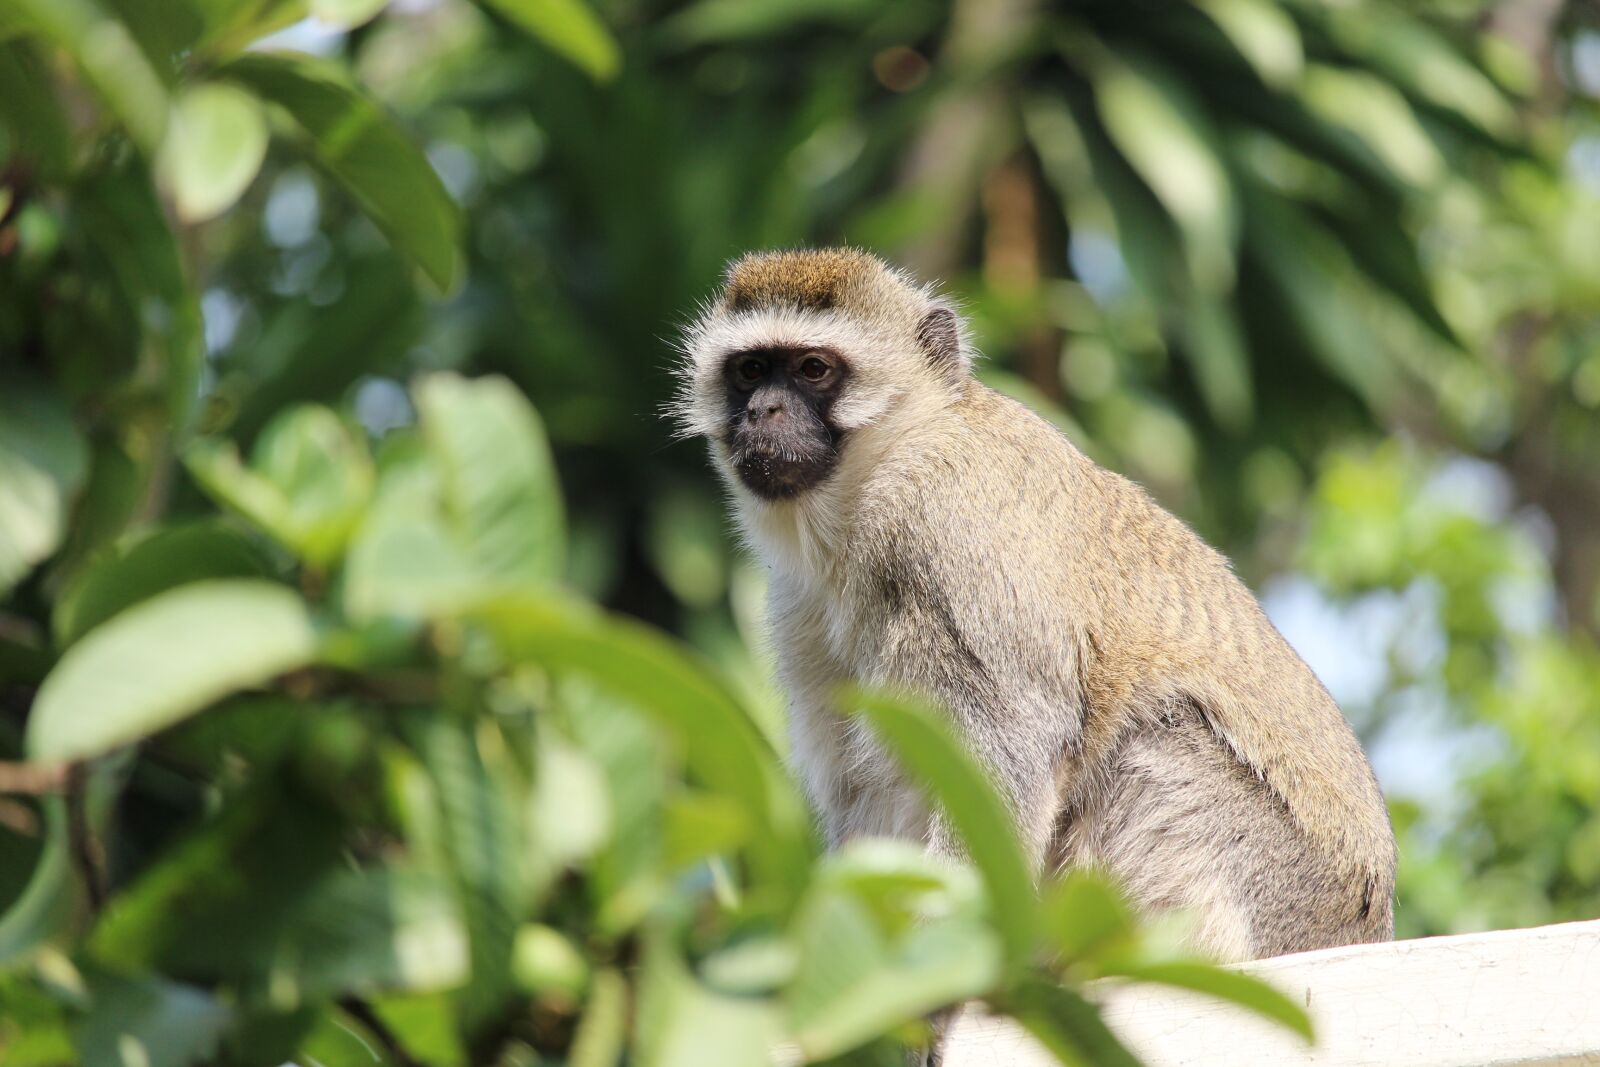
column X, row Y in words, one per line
column 148, row 1021
column 43, row 461
column 110, row 58
column 361, row 147
column 1069, row 1026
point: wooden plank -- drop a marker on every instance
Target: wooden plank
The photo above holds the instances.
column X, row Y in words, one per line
column 1508, row 997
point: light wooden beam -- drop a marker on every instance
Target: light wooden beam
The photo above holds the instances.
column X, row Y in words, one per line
column 1520, row 997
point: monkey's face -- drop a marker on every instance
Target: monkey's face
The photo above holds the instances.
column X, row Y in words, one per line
column 781, row 436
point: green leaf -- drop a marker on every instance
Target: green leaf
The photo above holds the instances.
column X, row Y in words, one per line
column 365, row 931
column 545, row 961
column 600, row 1036
column 45, row 908
column 1085, row 917
column 571, row 28
column 144, row 1020
column 712, row 21
column 1413, row 56
column 1264, row 34
column 886, row 936
column 1241, row 989
column 30, row 111
column 473, row 514
column 1216, row 349
column 569, row 815
column 1167, row 139
column 1069, row 1026
column 216, row 139
column 43, row 462
column 144, row 566
column 214, row 906
column 346, row 14
column 110, row 58
column 682, row 1023
column 725, row 751
column 699, row 825
column 122, row 217
column 1379, row 115
column 307, row 485
column 499, row 479
column 164, row 660
column 357, row 143
column 933, row 759
column 481, row 795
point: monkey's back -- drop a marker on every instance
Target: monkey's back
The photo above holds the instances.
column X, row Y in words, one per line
column 1117, row 611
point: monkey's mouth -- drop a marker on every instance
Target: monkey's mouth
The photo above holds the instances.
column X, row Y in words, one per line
column 775, row 468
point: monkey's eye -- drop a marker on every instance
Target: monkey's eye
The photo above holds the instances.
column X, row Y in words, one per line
column 751, row 368
column 814, row 369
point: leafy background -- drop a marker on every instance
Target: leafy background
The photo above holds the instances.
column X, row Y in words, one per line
column 333, row 337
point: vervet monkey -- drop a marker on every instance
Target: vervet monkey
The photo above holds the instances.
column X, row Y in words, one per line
column 1133, row 703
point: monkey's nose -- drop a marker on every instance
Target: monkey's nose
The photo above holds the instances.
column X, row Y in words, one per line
column 768, row 409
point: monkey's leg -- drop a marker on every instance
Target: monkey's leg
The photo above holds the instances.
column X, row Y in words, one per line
column 1182, row 824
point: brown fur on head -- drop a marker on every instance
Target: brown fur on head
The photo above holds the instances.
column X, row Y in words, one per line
column 898, row 339
column 812, row 280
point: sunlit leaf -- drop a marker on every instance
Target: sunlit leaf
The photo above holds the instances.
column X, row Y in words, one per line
column 600, row 1036
column 569, row 815
column 43, row 462
column 700, row 825
column 543, row 960
column 880, row 945
column 1084, row 917
column 1264, row 34
column 725, row 751
column 1375, row 112
column 939, row 764
column 216, row 139
column 683, row 1023
column 1216, row 348
column 480, row 792
column 125, row 575
column 164, row 660
column 500, row 487
column 361, row 147
column 571, row 28
column 1166, row 138
column 346, row 14
column 110, row 58
column 307, row 484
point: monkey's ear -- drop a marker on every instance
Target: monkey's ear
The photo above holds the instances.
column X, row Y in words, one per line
column 939, row 335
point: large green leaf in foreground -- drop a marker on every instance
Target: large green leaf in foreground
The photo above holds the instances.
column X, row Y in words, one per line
column 164, row 660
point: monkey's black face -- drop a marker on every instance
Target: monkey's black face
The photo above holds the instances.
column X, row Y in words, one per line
column 781, row 438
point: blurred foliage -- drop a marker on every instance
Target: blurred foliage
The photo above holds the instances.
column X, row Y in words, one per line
column 276, row 277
